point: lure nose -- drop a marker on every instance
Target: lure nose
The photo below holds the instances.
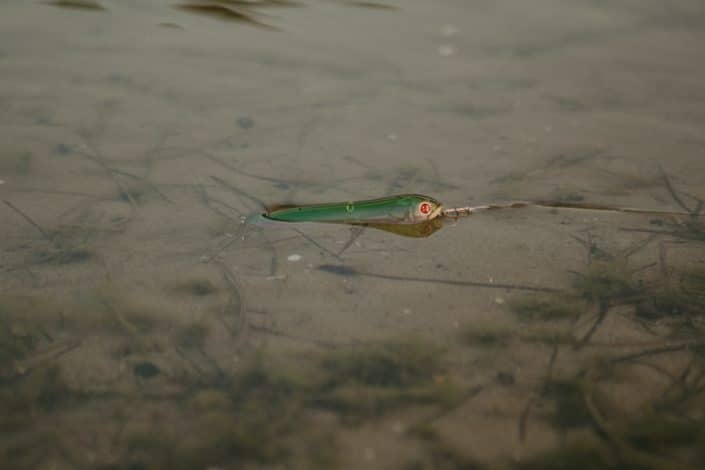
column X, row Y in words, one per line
column 436, row 212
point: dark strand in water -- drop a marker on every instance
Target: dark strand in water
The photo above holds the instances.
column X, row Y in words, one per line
column 27, row 218
column 347, row 271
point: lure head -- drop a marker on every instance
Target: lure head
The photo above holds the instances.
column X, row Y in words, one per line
column 424, row 208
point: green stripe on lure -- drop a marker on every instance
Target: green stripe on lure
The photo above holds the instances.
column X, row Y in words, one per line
column 401, row 209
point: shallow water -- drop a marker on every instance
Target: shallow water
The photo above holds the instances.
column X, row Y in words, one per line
column 142, row 325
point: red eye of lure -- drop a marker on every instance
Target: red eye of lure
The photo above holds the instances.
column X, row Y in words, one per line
column 425, row 208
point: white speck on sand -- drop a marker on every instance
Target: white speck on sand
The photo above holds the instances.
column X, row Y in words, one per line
column 294, row 258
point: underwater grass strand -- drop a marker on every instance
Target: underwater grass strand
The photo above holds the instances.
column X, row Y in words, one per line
column 393, row 364
column 605, row 280
column 369, row 381
column 485, row 335
column 224, row 11
column 547, row 307
column 87, row 5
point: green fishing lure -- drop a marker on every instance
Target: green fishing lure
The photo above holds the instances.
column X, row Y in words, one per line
column 406, row 209
column 415, row 215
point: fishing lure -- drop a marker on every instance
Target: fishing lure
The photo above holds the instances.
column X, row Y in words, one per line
column 405, row 209
column 412, row 209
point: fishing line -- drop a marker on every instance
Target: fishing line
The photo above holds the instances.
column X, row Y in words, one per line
column 457, row 212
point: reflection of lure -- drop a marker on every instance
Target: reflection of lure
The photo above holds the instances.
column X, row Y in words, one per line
column 420, row 230
column 406, row 209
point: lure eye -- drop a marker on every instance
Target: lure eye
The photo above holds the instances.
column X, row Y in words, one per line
column 425, row 208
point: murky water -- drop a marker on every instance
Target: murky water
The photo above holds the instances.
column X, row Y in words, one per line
column 142, row 325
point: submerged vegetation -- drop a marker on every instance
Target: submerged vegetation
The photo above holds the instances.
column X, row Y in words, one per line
column 77, row 4
column 373, row 380
column 256, row 413
column 547, row 307
column 602, row 412
column 486, row 335
column 194, row 287
column 262, row 409
column 245, row 11
column 611, row 369
column 606, row 280
column 63, row 256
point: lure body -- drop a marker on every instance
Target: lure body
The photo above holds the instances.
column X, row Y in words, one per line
column 411, row 215
column 401, row 209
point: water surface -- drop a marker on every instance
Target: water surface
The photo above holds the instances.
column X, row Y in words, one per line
column 142, row 325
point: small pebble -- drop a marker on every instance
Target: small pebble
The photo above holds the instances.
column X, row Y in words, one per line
column 294, row 258
column 499, row 300
column 146, row 370
column 62, row 149
column 505, row 378
column 2, row 182
column 406, row 311
column 245, row 122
